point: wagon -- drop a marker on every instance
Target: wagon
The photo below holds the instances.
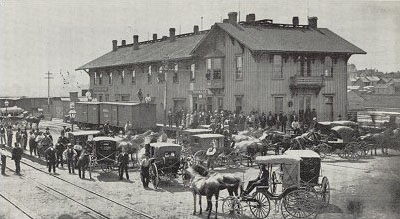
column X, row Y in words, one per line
column 165, row 161
column 343, row 141
column 105, row 153
column 186, row 134
column 82, row 136
column 300, row 193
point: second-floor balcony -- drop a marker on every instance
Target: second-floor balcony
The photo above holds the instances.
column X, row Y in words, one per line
column 304, row 82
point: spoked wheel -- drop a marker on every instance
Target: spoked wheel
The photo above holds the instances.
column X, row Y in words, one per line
column 154, row 175
column 324, row 150
column 233, row 162
column 107, row 168
column 300, row 203
column 325, row 191
column 199, row 156
column 260, row 205
column 231, row 207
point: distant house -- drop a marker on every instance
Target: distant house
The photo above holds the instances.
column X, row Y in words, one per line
column 373, row 80
column 384, row 80
column 385, row 88
column 362, row 82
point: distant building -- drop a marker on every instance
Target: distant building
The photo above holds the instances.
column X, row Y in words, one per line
column 252, row 65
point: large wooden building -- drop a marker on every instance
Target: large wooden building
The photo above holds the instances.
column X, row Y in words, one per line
column 240, row 66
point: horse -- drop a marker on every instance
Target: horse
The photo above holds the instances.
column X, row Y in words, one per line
column 382, row 140
column 43, row 142
column 204, row 184
column 34, row 119
column 83, row 163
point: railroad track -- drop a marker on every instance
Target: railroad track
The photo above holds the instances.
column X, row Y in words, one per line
column 133, row 212
column 17, row 206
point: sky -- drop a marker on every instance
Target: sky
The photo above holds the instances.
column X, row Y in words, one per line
column 38, row 36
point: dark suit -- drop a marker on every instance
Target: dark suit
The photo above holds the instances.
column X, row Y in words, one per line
column 16, row 156
column 261, row 180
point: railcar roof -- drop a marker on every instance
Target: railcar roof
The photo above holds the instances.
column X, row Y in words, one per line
column 164, row 144
column 302, row 153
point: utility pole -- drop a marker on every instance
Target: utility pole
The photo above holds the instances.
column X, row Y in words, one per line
column 48, row 77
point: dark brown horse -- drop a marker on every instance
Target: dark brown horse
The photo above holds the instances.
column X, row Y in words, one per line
column 204, row 184
column 34, row 119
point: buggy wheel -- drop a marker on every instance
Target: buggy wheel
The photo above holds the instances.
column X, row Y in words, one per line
column 300, row 203
column 200, row 156
column 154, row 175
column 324, row 150
column 107, row 168
column 260, row 205
column 232, row 208
column 325, row 191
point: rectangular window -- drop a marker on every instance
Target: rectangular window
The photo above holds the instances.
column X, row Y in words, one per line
column 133, row 77
column 100, row 98
column 209, row 69
column 95, row 78
column 328, row 67
column 278, row 104
column 278, row 67
column 308, row 66
column 220, row 103
column 192, row 72
column 175, row 78
column 239, row 104
column 239, row 68
column 107, row 97
column 217, row 68
column 125, row 97
column 117, row 97
column 161, row 75
column 110, row 78
column 304, row 64
column 101, row 79
column 122, row 76
column 149, row 75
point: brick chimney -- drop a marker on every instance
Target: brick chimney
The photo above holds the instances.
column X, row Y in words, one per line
column 123, row 43
column 250, row 18
column 226, row 20
column 164, row 37
column 114, row 45
column 172, row 34
column 135, row 42
column 313, row 22
column 295, row 21
column 154, row 36
column 196, row 29
column 232, row 17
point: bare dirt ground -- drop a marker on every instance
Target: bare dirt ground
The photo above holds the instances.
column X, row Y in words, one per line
column 368, row 188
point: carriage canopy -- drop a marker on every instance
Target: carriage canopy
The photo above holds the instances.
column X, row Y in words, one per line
column 159, row 150
column 344, row 132
column 302, row 153
column 105, row 149
column 278, row 159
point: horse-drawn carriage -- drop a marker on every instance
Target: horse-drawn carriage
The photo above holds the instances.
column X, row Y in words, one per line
column 300, row 193
column 105, row 153
column 165, row 161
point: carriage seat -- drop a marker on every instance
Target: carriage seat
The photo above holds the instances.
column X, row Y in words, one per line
column 262, row 188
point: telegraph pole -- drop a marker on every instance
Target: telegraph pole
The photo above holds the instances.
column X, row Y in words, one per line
column 48, row 77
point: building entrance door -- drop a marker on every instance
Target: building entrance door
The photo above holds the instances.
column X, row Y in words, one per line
column 305, row 106
column 178, row 104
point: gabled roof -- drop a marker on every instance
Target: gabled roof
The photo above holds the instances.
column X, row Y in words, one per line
column 385, row 79
column 150, row 51
column 364, row 79
column 372, row 78
column 281, row 39
column 383, row 85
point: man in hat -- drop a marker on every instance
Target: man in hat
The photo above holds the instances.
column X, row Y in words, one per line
column 32, row 143
column 47, row 133
column 107, row 128
column 61, row 146
column 140, row 95
column 18, row 136
column 123, row 159
column 16, row 156
column 261, row 180
column 69, row 154
column 144, row 170
column 2, row 135
column 51, row 157
column 9, row 136
column 211, row 155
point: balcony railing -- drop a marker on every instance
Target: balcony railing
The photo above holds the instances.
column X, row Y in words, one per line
column 306, row 82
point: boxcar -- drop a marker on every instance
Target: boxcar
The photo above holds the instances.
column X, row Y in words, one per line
column 87, row 114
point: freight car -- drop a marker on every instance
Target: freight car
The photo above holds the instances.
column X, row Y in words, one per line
column 95, row 114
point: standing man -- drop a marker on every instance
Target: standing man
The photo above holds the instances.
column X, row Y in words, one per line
column 211, row 156
column 147, row 99
column 170, row 117
column 140, row 95
column 18, row 136
column 32, row 143
column 24, row 139
column 106, row 128
column 128, row 128
column 283, row 122
column 61, row 146
column 144, row 170
column 16, row 156
column 2, row 135
column 9, row 136
column 123, row 159
column 51, row 157
column 69, row 155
